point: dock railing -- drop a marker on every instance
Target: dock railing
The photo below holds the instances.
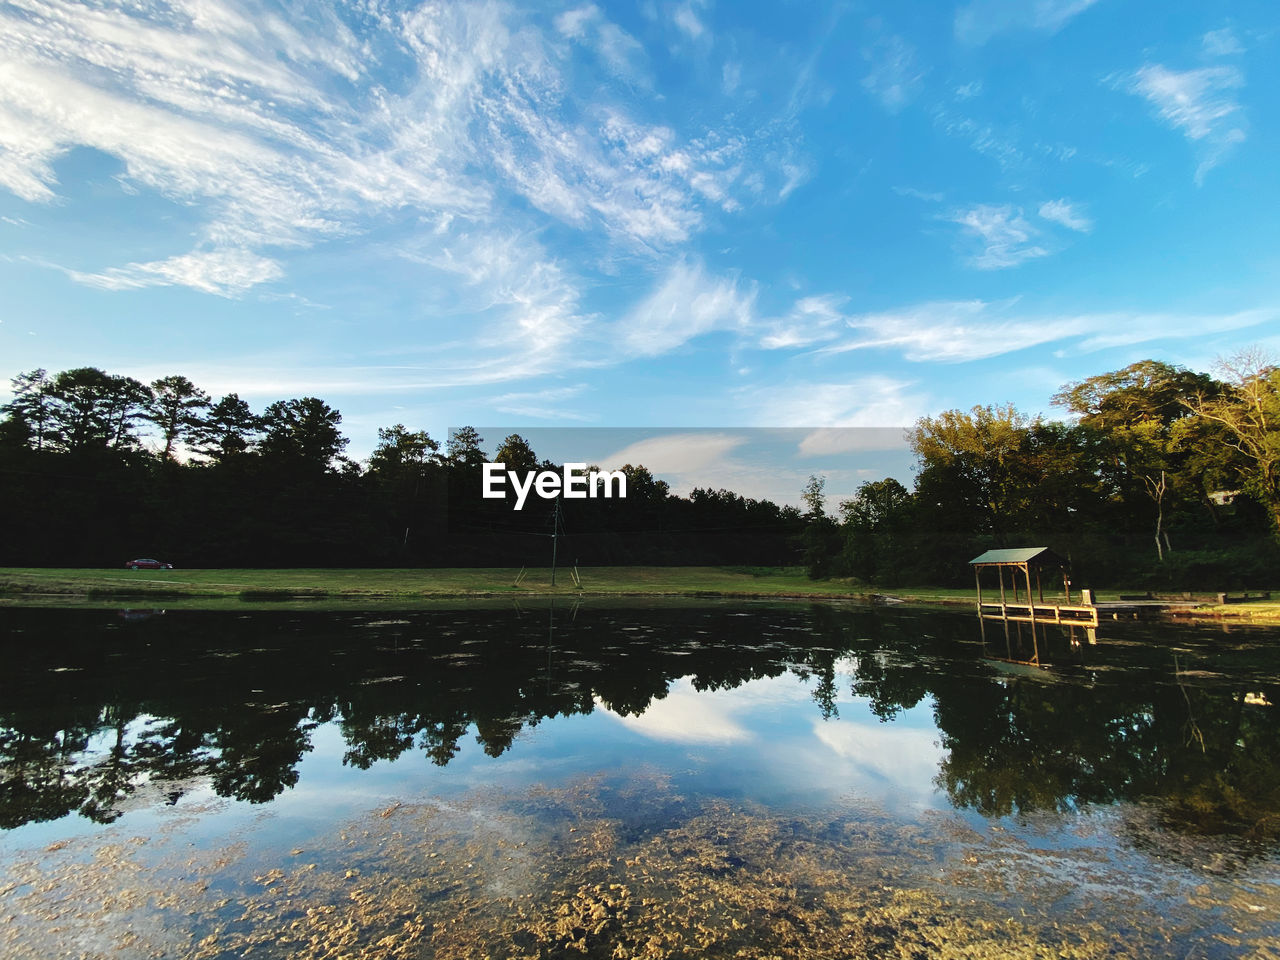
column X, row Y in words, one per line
column 1040, row 612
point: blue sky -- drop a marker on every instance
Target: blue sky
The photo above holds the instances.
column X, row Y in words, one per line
column 678, row 214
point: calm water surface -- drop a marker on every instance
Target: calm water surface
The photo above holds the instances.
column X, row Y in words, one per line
column 682, row 779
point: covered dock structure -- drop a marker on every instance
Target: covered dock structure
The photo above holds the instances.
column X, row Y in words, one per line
column 1026, row 567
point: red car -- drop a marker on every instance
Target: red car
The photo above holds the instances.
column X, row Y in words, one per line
column 148, row 565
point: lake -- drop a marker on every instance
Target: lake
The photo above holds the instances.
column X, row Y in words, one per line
column 659, row 779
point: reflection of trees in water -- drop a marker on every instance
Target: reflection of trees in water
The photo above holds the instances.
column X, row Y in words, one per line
column 90, row 711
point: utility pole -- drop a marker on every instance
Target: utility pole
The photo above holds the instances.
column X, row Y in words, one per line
column 555, row 533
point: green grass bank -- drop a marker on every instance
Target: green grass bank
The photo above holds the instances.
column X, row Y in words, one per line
column 347, row 586
column 361, row 584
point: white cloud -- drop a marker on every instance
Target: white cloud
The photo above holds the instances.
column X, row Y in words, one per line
column 961, row 331
column 686, row 19
column 895, row 76
column 576, row 23
column 621, row 53
column 834, row 440
column 984, row 138
column 1222, row 43
column 522, row 308
column 927, row 196
column 982, row 19
column 276, row 137
column 811, row 320
column 865, row 402
column 1067, row 214
column 1200, row 103
column 553, row 403
column 226, row 273
column 796, row 174
column 676, row 453
column 730, row 77
column 1006, row 238
column 687, row 304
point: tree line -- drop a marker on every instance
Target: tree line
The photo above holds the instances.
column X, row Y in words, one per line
column 1161, row 477
column 1157, row 475
column 107, row 468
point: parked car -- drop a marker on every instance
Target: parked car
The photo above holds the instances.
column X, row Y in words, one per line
column 148, row 565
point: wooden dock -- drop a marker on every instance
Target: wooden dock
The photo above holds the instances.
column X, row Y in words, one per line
column 1082, row 614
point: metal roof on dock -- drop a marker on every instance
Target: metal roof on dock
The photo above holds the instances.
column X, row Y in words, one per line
column 1018, row 555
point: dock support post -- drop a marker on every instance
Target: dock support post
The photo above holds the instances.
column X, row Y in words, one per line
column 1031, row 599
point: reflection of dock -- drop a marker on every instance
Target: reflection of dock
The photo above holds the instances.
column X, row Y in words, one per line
column 1027, row 641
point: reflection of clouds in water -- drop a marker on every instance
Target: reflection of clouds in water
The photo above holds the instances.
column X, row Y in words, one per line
column 904, row 758
column 686, row 716
column 770, row 733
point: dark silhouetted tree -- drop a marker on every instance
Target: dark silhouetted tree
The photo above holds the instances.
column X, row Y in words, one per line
column 176, row 409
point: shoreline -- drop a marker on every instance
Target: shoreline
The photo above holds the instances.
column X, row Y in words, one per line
column 261, row 589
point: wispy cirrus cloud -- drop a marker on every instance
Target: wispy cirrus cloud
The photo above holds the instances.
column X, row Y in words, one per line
column 964, row 330
column 283, row 138
column 677, row 453
column 1004, row 236
column 872, row 401
column 1202, row 104
column 621, row 53
column 521, row 305
column 459, row 131
column 811, row 320
column 1222, row 43
column 687, row 303
column 685, row 17
column 226, row 273
column 895, row 74
column 980, row 20
column 1067, row 214
column 553, row 403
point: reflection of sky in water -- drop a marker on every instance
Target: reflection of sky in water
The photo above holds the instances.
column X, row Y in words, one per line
column 764, row 740
column 1011, row 741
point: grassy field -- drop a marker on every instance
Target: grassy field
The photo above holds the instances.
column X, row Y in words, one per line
column 350, row 584
column 346, row 586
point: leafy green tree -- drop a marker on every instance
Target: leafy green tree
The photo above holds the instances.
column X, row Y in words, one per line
column 815, row 500
column 820, row 540
column 89, row 409
column 972, row 465
column 302, row 432
column 402, row 452
column 875, row 527
column 1246, row 412
column 228, row 430
column 399, row 464
column 30, row 406
column 516, row 453
column 463, row 448
column 1148, row 390
column 1136, row 412
column 176, row 408
column 642, row 485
